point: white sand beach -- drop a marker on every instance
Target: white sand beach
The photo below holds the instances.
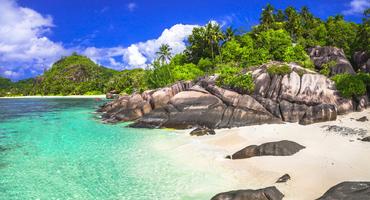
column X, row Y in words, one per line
column 54, row 97
column 328, row 159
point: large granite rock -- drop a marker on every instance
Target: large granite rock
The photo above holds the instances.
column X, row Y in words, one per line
column 269, row 193
column 219, row 108
column 302, row 96
column 361, row 62
column 348, row 191
column 280, row 148
column 322, row 55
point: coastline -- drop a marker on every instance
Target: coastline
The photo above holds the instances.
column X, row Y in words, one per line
column 328, row 159
column 55, row 97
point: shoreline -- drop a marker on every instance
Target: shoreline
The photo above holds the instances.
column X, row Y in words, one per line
column 328, row 159
column 55, row 97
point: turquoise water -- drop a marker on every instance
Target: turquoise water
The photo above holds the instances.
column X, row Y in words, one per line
column 58, row 149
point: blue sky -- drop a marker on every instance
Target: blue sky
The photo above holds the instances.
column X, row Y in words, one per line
column 124, row 34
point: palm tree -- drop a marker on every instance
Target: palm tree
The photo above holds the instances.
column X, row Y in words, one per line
column 229, row 33
column 213, row 35
column 164, row 53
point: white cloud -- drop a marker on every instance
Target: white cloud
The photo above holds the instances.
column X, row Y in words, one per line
column 22, row 38
column 131, row 6
column 357, row 7
column 142, row 53
column 25, row 49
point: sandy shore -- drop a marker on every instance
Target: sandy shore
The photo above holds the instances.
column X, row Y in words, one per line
column 54, row 97
column 328, row 159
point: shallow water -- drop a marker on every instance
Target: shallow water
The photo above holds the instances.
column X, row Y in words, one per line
column 58, row 149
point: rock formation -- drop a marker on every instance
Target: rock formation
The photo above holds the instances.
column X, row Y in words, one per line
column 283, row 179
column 280, row 148
column 302, row 96
column 269, row 193
column 322, row 55
column 361, row 62
column 202, row 131
column 348, row 191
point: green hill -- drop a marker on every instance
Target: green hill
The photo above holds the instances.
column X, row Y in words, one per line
column 74, row 75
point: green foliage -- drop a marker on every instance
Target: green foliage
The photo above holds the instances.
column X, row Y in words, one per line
column 295, row 53
column 74, row 75
column 94, row 92
column 279, row 70
column 275, row 41
column 326, row 68
column 205, row 42
column 308, row 64
column 205, row 64
column 231, row 77
column 179, row 59
column 341, row 34
column 128, row 81
column 186, row 72
column 349, row 85
column 159, row 75
column 5, row 83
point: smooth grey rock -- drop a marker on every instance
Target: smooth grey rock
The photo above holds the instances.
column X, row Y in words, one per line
column 269, row 193
column 202, row 131
column 366, row 139
column 292, row 112
column 362, row 119
column 321, row 55
column 283, row 179
column 319, row 113
column 361, row 62
column 348, row 191
column 280, row 148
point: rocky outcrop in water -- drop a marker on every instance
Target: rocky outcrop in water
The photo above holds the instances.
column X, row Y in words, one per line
column 348, row 191
column 269, row 193
column 302, row 96
column 280, row 148
column 322, row 55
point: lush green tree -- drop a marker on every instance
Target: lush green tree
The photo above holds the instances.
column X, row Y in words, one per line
column 279, row 16
column 204, row 42
column 159, row 75
column 5, row 83
column 341, row 34
column 186, row 72
column 293, row 23
column 275, row 41
column 229, row 33
column 362, row 42
column 206, row 65
column 267, row 16
column 179, row 59
column 127, row 81
column 349, row 85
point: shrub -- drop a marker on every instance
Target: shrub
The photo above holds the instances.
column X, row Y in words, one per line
column 186, row 72
column 308, row 64
column 349, row 85
column 326, row 68
column 279, row 70
column 230, row 77
column 205, row 64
